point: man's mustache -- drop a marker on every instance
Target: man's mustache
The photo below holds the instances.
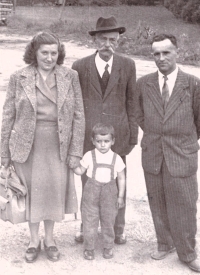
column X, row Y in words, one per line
column 107, row 49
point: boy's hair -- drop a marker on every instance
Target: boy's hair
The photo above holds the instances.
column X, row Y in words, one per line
column 103, row 129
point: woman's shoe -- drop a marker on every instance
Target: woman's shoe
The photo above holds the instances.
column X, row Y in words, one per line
column 52, row 253
column 32, row 253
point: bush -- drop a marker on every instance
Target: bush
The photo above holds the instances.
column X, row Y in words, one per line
column 138, row 2
column 196, row 17
column 86, row 2
column 188, row 10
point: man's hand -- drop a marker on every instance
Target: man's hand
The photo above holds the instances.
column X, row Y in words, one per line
column 73, row 161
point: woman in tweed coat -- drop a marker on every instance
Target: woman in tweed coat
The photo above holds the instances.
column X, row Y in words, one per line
column 43, row 131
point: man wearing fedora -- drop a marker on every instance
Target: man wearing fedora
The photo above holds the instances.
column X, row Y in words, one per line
column 108, row 82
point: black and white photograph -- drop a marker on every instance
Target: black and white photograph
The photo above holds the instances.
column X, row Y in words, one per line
column 100, row 128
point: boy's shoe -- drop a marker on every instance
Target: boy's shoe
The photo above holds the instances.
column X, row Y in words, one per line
column 121, row 239
column 79, row 237
column 88, row 254
column 108, row 253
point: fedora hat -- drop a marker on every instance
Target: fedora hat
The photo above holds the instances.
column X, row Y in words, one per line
column 107, row 25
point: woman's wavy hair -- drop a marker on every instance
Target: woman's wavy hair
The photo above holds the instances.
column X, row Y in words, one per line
column 43, row 38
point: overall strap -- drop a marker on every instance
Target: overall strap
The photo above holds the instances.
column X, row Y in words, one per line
column 94, row 163
column 113, row 166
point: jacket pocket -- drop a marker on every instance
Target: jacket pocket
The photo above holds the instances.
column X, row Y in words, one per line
column 190, row 148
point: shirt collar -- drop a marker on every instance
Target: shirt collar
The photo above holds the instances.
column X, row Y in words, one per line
column 171, row 77
column 105, row 154
column 100, row 64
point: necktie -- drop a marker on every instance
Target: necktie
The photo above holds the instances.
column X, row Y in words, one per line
column 165, row 92
column 105, row 77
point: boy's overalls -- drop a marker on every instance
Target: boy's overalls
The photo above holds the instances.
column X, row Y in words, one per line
column 99, row 202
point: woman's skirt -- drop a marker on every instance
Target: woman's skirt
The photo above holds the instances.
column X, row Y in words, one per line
column 45, row 175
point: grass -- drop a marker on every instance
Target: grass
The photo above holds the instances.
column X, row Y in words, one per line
column 141, row 22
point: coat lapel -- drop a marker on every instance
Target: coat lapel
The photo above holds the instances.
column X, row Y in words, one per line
column 28, row 83
column 63, row 82
column 93, row 75
column 46, row 89
column 114, row 76
column 154, row 94
column 178, row 94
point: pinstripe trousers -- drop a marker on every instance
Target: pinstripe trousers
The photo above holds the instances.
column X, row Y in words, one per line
column 173, row 206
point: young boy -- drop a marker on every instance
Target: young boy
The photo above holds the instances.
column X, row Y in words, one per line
column 101, row 198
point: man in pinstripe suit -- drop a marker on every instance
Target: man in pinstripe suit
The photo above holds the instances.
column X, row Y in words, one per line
column 168, row 111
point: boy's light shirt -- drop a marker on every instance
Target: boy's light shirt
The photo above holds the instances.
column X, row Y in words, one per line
column 102, row 174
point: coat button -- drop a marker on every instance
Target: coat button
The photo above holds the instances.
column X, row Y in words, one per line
column 60, row 131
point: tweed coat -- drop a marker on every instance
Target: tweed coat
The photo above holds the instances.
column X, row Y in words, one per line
column 19, row 114
column 173, row 135
column 116, row 107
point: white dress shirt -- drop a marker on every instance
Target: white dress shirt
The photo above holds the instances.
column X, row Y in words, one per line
column 101, row 64
column 170, row 82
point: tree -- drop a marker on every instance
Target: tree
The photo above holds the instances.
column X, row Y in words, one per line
column 62, row 9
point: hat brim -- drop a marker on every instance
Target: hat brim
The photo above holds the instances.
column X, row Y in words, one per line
column 118, row 29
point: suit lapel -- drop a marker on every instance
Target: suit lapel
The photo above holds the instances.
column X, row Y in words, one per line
column 154, row 93
column 28, row 83
column 63, row 82
column 93, row 75
column 114, row 76
column 178, row 94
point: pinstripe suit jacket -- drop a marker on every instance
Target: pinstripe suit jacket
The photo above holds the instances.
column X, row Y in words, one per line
column 117, row 105
column 20, row 112
column 173, row 135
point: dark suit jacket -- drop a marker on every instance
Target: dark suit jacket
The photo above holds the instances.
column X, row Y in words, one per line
column 20, row 112
column 174, row 135
column 116, row 107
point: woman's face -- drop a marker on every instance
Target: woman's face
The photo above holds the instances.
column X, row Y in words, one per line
column 47, row 56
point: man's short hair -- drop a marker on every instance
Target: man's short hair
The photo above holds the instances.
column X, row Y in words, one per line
column 103, row 129
column 163, row 36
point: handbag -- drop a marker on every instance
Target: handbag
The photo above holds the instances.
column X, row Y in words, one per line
column 12, row 197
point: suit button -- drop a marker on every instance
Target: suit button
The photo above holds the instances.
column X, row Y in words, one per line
column 60, row 131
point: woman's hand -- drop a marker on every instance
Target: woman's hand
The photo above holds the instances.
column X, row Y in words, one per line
column 73, row 161
column 5, row 162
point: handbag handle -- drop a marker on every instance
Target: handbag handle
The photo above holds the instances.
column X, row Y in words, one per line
column 7, row 176
column 4, row 174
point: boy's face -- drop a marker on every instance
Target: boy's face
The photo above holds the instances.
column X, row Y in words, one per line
column 103, row 143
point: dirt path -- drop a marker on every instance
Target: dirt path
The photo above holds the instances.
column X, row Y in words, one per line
column 132, row 258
